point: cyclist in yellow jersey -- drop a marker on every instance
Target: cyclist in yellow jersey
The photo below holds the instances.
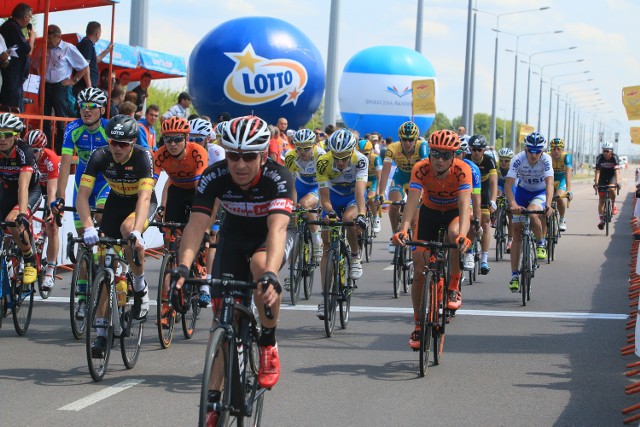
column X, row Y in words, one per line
column 405, row 153
column 562, row 171
column 301, row 162
column 374, row 174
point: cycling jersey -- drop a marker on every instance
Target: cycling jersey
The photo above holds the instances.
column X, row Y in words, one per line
column 502, row 177
column 215, row 153
column 531, row 177
column 303, row 171
column 476, row 180
column 183, row 173
column 487, row 168
column 20, row 159
column 341, row 182
column 560, row 166
column 48, row 166
column 125, row 179
column 77, row 137
column 403, row 162
column 375, row 164
column 607, row 169
column 441, row 194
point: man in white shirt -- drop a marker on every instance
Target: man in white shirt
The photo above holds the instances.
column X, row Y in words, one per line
column 181, row 109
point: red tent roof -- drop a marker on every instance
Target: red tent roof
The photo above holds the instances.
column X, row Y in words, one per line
column 6, row 6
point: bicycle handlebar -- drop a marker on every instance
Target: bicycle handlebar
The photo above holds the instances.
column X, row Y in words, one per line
column 608, row 187
column 431, row 244
column 333, row 223
column 71, row 240
column 169, row 224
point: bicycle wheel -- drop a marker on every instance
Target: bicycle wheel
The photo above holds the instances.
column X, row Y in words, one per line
column 130, row 337
column 549, row 242
column 369, row 240
column 98, row 365
column 345, row 288
column 216, row 349
column 398, row 262
column 190, row 318
column 408, row 271
column 607, row 215
column 525, row 270
column 426, row 323
column 499, row 236
column 41, row 273
column 295, row 267
column 331, row 289
column 440, row 313
column 309, row 264
column 165, row 316
column 22, row 299
column 253, row 393
column 80, row 283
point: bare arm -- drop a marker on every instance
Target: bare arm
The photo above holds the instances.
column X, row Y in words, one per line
column 276, row 240
column 464, row 199
column 104, row 53
column 142, row 210
column 410, row 207
column 325, row 201
column 361, row 187
column 82, row 206
column 384, row 177
column 23, row 191
column 65, row 170
column 192, row 237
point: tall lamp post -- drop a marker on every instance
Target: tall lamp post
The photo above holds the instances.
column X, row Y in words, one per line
column 515, row 81
column 495, row 63
column 540, row 99
column 558, row 100
column 551, row 91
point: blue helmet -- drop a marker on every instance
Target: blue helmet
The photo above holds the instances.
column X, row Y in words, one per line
column 535, row 142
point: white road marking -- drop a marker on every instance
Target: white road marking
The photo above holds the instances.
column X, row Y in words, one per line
column 79, row 405
column 390, row 268
column 463, row 312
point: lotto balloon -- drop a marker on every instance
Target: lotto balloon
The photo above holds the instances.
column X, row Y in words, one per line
column 375, row 89
column 257, row 65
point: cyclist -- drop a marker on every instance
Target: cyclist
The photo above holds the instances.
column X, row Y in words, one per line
column 184, row 163
column 478, row 145
column 342, row 181
column 504, row 158
column 128, row 169
column 444, row 183
column 49, row 166
column 476, row 201
column 200, row 132
column 256, row 193
column 214, row 150
column 562, row 171
column 534, row 191
column 19, row 190
column 374, row 175
column 607, row 173
column 301, row 162
column 405, row 153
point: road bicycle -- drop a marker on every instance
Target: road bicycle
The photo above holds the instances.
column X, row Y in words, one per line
column 117, row 320
column 433, row 312
column 338, row 286
column 501, row 227
column 233, row 349
column 402, row 261
column 15, row 296
column 365, row 238
column 302, row 263
column 608, row 204
column 553, row 229
column 529, row 260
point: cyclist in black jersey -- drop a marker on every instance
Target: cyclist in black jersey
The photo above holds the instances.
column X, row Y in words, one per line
column 128, row 169
column 19, row 190
column 607, row 173
column 256, row 193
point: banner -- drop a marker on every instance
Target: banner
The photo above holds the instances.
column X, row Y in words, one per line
column 524, row 131
column 423, row 97
column 631, row 101
column 635, row 135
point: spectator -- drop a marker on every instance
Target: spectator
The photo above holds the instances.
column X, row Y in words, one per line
column 87, row 48
column 4, row 58
column 275, row 146
column 16, row 72
column 147, row 136
column 104, row 80
column 462, row 132
column 62, row 60
column 127, row 108
column 181, row 109
column 142, row 90
column 282, row 125
column 131, row 96
column 117, row 98
column 329, row 130
column 125, row 79
column 222, row 117
column 376, row 142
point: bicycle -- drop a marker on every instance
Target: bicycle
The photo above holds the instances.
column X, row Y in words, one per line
column 553, row 229
column 365, row 239
column 234, row 343
column 302, row 263
column 529, row 260
column 608, row 203
column 432, row 316
column 189, row 314
column 402, row 262
column 338, row 286
column 501, row 227
column 14, row 295
column 118, row 320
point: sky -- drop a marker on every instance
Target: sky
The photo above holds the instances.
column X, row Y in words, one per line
column 604, row 32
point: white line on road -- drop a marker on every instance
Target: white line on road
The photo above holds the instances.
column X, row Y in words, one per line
column 390, row 268
column 463, row 312
column 79, row 405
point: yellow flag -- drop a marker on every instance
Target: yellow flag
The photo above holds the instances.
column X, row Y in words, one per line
column 423, row 97
column 635, row 135
column 631, row 101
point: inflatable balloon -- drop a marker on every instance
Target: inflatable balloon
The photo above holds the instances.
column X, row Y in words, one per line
column 257, row 65
column 375, row 89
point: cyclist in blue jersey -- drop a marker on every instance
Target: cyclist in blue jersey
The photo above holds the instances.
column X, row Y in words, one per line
column 476, row 200
column 83, row 136
column 374, row 172
column 504, row 161
column 562, row 172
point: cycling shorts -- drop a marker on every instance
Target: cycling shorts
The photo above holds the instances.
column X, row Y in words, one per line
column 341, row 203
column 98, row 196
column 560, row 185
column 525, row 198
column 400, row 184
column 605, row 181
column 9, row 201
column 430, row 221
column 118, row 208
column 179, row 201
column 303, row 189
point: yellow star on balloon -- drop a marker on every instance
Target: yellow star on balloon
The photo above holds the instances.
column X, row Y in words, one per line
column 246, row 59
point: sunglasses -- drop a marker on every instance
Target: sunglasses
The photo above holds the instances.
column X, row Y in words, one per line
column 89, row 106
column 121, row 144
column 407, row 139
column 607, row 151
column 477, row 149
column 197, row 139
column 534, row 151
column 246, row 157
column 305, row 149
column 343, row 158
column 173, row 139
column 445, row 155
column 9, row 134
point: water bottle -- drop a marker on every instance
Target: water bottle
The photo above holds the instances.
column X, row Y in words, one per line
column 341, row 269
column 121, row 290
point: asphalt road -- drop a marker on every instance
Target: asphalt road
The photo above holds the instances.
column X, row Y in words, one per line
column 554, row 362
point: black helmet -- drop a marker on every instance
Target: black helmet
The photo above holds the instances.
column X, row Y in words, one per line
column 122, row 128
column 477, row 141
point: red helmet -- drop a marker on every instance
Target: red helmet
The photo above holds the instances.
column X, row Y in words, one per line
column 37, row 139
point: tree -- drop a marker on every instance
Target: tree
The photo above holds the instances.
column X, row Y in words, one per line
column 441, row 121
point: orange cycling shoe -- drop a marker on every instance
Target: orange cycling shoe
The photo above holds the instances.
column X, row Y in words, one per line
column 455, row 300
column 414, row 338
column 269, row 371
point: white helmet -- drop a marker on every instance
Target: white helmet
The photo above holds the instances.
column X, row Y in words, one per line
column 464, row 143
column 304, row 137
column 9, row 121
column 505, row 153
column 607, row 146
column 342, row 141
column 200, row 127
column 249, row 133
column 92, row 94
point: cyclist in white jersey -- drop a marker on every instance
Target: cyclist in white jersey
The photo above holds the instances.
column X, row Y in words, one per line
column 534, row 170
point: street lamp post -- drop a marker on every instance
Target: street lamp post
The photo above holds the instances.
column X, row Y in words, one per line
column 540, row 99
column 551, row 91
column 558, row 100
column 495, row 64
